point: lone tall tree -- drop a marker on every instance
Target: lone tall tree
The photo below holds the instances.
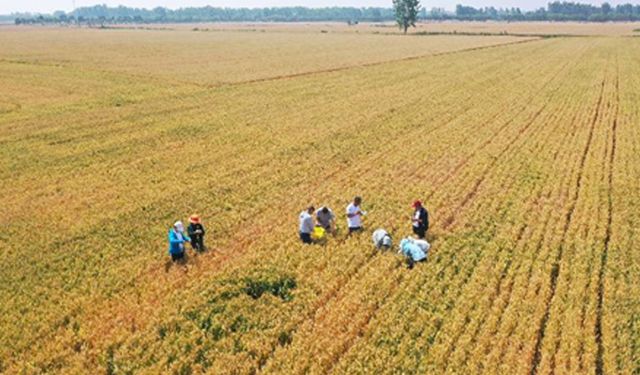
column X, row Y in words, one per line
column 406, row 13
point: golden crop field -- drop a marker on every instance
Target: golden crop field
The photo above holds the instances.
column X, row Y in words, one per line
column 461, row 27
column 208, row 58
column 526, row 152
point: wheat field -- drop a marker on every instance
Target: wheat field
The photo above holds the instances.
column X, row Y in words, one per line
column 525, row 150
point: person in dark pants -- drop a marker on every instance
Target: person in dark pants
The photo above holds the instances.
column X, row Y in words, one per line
column 307, row 225
column 354, row 215
column 420, row 220
column 196, row 232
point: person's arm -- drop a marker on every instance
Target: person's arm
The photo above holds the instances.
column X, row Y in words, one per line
column 354, row 212
column 202, row 230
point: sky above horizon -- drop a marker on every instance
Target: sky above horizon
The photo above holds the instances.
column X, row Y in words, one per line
column 48, row 6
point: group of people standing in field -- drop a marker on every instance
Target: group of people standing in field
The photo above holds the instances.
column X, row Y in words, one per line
column 315, row 224
column 178, row 238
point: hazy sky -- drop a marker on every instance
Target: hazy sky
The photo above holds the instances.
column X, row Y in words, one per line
column 47, row 6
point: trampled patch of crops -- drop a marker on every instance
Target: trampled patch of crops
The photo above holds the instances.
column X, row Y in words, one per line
column 524, row 153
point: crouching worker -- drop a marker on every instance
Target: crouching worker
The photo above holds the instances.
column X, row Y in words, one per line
column 177, row 238
column 306, row 225
column 196, row 232
column 326, row 219
column 414, row 250
column 381, row 239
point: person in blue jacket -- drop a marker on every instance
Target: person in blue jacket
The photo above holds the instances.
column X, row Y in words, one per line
column 177, row 239
column 412, row 251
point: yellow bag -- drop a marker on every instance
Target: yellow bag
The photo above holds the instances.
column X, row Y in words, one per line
column 318, row 233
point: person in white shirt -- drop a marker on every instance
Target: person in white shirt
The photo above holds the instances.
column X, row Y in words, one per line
column 354, row 215
column 306, row 224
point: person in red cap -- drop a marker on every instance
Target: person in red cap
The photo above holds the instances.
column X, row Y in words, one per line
column 420, row 220
column 196, row 232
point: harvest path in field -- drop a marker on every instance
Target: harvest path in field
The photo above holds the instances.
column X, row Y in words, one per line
column 522, row 152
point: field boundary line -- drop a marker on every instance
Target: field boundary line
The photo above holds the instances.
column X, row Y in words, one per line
column 367, row 65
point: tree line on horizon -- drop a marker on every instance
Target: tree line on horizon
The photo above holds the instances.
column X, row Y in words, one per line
column 555, row 11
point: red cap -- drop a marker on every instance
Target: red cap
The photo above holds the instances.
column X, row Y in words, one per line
column 416, row 204
column 195, row 219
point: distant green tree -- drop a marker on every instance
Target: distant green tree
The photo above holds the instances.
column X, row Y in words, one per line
column 406, row 13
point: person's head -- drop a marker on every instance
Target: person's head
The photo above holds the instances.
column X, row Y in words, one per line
column 325, row 210
column 311, row 209
column 357, row 200
column 194, row 219
column 416, row 204
column 178, row 226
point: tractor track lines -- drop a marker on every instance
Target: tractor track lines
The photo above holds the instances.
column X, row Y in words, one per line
column 555, row 269
column 510, row 260
column 508, row 264
column 538, row 246
column 607, row 240
column 450, row 220
column 521, row 264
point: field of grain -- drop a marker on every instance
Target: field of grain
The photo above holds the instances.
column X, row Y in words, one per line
column 458, row 27
column 208, row 58
column 525, row 151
